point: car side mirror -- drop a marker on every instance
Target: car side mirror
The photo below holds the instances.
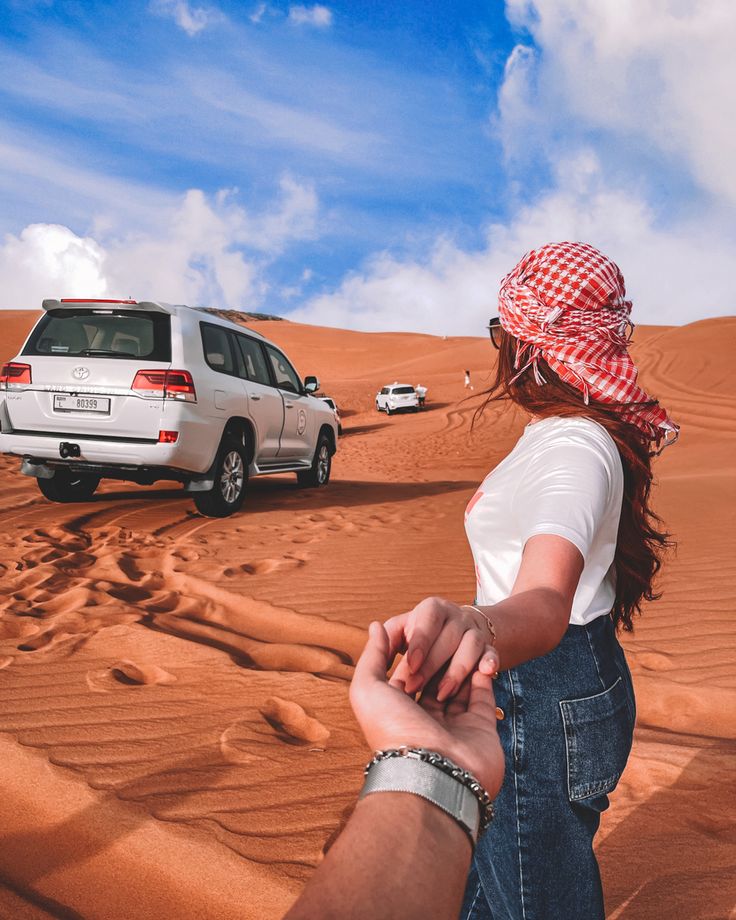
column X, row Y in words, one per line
column 311, row 384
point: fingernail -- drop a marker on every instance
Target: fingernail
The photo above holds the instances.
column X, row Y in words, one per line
column 415, row 659
column 414, row 684
column 445, row 689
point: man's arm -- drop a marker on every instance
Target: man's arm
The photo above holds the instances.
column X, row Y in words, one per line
column 399, row 855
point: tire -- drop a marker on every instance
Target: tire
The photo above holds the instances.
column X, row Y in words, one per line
column 66, row 486
column 231, row 478
column 389, row 410
column 378, row 408
column 319, row 472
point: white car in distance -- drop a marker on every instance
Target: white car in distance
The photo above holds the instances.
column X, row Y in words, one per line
column 395, row 397
column 150, row 391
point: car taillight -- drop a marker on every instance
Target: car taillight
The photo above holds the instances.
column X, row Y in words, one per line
column 168, row 437
column 14, row 373
column 165, row 384
column 179, row 385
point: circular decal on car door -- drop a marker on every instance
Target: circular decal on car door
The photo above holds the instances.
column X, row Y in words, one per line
column 301, row 422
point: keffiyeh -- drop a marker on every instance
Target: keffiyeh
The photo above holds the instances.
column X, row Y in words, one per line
column 566, row 303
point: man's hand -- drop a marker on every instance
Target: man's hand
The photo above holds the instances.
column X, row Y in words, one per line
column 463, row 728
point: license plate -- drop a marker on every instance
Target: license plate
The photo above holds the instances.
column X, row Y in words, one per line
column 100, row 404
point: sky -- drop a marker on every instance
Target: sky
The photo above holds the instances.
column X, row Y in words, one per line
column 376, row 166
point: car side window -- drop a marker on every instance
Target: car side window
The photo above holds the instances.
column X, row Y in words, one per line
column 217, row 352
column 255, row 368
column 285, row 375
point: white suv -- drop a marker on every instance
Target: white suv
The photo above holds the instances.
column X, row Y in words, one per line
column 148, row 391
column 396, row 396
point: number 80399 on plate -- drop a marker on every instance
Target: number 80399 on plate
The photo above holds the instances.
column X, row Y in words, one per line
column 99, row 404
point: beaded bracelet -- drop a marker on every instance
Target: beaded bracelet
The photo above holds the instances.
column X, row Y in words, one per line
column 464, row 777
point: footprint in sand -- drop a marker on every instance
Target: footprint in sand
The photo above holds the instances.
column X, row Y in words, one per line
column 654, row 661
column 264, row 566
column 303, row 538
column 127, row 673
column 75, row 561
column 17, row 629
column 245, row 742
column 292, row 724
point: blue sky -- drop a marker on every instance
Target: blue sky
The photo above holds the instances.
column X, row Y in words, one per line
column 374, row 165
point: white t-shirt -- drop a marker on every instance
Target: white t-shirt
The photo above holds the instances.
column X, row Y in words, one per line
column 563, row 477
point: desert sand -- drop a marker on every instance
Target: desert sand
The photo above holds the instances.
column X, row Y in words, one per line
column 175, row 734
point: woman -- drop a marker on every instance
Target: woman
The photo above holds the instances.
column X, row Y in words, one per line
column 566, row 548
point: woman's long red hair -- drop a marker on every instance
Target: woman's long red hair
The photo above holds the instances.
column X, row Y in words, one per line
column 641, row 541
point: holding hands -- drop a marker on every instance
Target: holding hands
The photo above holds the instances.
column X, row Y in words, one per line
column 437, row 634
column 463, row 728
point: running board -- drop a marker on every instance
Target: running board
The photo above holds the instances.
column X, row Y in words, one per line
column 295, row 466
column 204, row 485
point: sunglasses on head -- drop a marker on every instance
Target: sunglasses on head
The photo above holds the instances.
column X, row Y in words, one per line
column 494, row 331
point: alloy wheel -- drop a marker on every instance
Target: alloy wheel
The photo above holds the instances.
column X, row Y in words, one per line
column 323, row 463
column 233, row 476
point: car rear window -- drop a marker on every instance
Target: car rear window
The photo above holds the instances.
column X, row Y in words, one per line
column 403, row 389
column 102, row 334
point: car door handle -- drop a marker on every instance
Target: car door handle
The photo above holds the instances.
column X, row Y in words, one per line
column 254, row 396
column 289, row 405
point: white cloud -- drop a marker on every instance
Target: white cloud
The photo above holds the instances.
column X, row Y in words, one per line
column 657, row 69
column 317, row 15
column 47, row 260
column 192, row 19
column 203, row 252
column 617, row 82
column 258, row 13
column 455, row 291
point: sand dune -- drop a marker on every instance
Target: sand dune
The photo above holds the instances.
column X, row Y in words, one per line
column 173, row 689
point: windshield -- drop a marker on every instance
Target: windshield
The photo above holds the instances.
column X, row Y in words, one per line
column 102, row 334
column 403, row 389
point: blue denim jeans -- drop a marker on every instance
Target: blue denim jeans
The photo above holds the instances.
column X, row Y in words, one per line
column 567, row 733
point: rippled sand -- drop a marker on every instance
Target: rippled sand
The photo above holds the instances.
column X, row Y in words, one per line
column 175, row 735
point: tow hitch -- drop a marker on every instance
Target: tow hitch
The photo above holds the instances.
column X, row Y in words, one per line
column 67, row 449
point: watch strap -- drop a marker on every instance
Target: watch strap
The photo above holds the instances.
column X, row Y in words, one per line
column 405, row 774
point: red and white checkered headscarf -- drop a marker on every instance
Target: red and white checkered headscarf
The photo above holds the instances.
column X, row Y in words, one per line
column 566, row 303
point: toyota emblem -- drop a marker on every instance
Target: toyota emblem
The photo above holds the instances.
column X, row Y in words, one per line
column 80, row 373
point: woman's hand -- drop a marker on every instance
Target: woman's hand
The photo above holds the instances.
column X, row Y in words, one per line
column 463, row 729
column 434, row 633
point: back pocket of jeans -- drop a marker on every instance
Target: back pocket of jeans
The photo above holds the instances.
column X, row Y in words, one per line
column 598, row 735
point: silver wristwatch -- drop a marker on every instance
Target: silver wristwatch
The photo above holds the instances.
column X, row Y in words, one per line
column 410, row 774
